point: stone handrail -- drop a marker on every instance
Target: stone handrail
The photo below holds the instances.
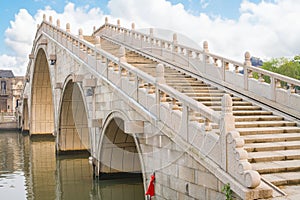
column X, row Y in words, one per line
column 147, row 91
column 232, row 74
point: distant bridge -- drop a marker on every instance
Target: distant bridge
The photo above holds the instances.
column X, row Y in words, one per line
column 141, row 104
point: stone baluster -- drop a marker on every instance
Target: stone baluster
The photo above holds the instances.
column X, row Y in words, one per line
column 44, row 17
column 174, row 105
column 151, row 32
column 50, row 19
column 175, row 41
column 250, row 74
column 247, row 61
column 278, row 83
column 226, row 65
column 58, row 23
column 227, row 124
column 80, row 34
column 122, row 54
column 106, row 20
column 216, row 62
column 260, row 77
column 205, row 51
column 292, row 89
column 68, row 29
column 236, row 68
column 163, row 97
column 160, row 74
column 97, row 41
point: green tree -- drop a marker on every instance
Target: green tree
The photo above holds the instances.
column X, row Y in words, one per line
column 284, row 66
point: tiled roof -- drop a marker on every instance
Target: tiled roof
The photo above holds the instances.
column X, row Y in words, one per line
column 6, row 74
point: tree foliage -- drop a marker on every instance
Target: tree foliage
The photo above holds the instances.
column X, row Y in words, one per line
column 284, row 66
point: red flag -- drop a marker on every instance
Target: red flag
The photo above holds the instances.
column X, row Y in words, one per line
column 150, row 190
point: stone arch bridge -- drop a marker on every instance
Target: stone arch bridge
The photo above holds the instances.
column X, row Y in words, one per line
column 142, row 104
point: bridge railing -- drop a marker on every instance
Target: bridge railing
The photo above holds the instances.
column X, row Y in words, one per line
column 198, row 126
column 279, row 91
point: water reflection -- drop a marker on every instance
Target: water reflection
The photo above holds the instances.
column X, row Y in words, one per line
column 29, row 169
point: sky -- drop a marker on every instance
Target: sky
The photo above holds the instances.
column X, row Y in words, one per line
column 266, row 28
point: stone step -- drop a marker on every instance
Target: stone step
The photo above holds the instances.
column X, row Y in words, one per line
column 181, row 79
column 251, row 112
column 196, row 90
column 214, row 98
column 192, row 89
column 258, row 118
column 268, row 130
column 235, row 103
column 272, row 146
column 185, row 84
column 283, row 178
column 264, row 156
column 276, row 166
column 235, row 108
column 251, row 124
column 260, row 138
column 209, row 94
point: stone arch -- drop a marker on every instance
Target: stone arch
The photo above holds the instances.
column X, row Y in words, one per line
column 73, row 131
column 25, row 115
column 119, row 152
column 42, row 109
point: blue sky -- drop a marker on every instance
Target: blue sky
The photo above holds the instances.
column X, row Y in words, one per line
column 223, row 8
column 266, row 28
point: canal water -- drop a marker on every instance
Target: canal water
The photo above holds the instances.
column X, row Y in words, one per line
column 29, row 169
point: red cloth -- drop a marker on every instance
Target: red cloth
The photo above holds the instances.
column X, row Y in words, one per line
column 150, row 190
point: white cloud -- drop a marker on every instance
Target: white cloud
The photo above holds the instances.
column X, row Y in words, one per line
column 267, row 29
column 21, row 33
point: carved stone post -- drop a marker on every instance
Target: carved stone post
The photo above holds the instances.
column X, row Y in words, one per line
column 98, row 42
column 68, row 27
column 58, row 23
column 227, row 124
column 122, row 54
column 205, row 49
column 247, row 64
column 234, row 158
column 80, row 34
column 160, row 72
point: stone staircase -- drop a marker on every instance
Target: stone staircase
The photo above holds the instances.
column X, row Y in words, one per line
column 271, row 140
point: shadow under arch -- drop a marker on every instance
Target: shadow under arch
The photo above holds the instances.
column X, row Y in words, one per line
column 119, row 154
column 42, row 109
column 73, row 134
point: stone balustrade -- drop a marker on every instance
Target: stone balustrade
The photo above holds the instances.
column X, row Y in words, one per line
column 281, row 91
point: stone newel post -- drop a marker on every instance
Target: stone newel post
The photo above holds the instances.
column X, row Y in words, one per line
column 58, row 23
column 227, row 124
column 98, row 42
column 80, row 34
column 122, row 54
column 205, row 49
column 160, row 73
column 68, row 29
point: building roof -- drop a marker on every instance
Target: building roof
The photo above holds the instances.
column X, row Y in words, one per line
column 6, row 74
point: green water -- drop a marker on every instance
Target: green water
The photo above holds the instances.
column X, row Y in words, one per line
column 29, row 169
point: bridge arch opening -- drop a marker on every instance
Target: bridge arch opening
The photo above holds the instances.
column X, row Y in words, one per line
column 119, row 155
column 42, row 111
column 73, row 122
column 25, row 115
